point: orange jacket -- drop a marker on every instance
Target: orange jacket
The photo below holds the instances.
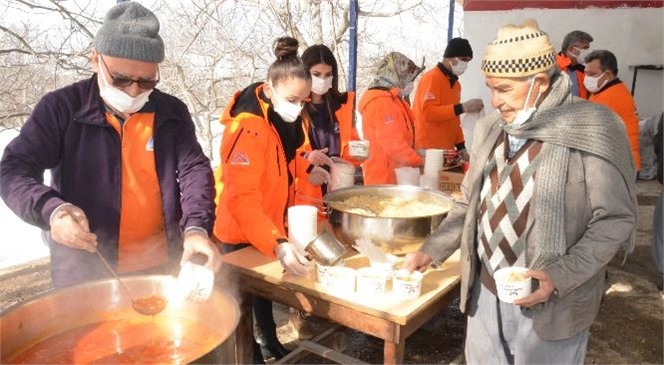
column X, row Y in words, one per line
column 387, row 123
column 436, row 123
column 617, row 97
column 252, row 181
column 565, row 64
column 305, row 192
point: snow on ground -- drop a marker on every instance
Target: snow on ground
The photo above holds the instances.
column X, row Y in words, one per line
column 20, row 242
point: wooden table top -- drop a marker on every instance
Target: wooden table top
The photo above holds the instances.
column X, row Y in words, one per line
column 436, row 284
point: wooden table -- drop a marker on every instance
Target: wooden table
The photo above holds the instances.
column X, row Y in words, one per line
column 379, row 316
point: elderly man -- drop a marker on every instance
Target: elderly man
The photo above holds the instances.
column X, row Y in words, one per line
column 551, row 188
column 575, row 48
column 606, row 88
column 437, row 103
column 129, row 179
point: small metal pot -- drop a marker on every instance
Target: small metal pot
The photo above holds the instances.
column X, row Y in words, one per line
column 326, row 249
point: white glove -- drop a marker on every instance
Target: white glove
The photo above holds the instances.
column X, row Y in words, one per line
column 473, row 106
column 291, row 260
column 318, row 176
column 318, row 157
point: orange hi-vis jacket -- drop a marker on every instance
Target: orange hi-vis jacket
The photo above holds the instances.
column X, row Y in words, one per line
column 252, row 184
column 142, row 241
column 564, row 63
column 305, row 192
column 387, row 123
column 617, row 97
column 437, row 125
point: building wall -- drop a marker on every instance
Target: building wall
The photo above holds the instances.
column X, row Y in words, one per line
column 634, row 35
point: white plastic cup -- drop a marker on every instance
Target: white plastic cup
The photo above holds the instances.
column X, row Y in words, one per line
column 358, row 149
column 433, row 161
column 340, row 280
column 371, row 281
column 511, row 284
column 342, row 175
column 195, row 282
column 408, row 176
column 386, row 267
column 302, row 225
column 407, row 286
column 429, row 181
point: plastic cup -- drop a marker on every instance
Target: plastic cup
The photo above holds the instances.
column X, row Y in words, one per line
column 195, row 282
column 342, row 175
column 408, row 176
column 386, row 267
column 433, row 161
column 407, row 286
column 321, row 271
column 340, row 280
column 429, row 181
column 302, row 225
column 371, row 281
column 358, row 149
column 512, row 284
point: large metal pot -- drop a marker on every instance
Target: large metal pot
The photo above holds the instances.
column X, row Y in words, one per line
column 99, row 302
column 393, row 235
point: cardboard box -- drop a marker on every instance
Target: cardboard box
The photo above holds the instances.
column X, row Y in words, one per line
column 450, row 180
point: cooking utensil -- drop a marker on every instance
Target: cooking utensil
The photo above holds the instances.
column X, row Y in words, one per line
column 392, row 235
column 148, row 306
column 326, row 249
column 98, row 302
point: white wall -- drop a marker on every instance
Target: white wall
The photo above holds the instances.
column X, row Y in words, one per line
column 635, row 36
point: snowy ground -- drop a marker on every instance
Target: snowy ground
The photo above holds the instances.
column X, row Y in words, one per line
column 19, row 241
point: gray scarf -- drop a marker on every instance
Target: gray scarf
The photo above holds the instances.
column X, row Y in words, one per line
column 564, row 122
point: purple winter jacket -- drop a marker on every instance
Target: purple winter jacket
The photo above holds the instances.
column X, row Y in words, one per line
column 68, row 134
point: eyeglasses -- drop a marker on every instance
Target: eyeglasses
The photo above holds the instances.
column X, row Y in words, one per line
column 122, row 82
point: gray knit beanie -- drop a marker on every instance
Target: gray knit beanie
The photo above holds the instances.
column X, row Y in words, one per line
column 130, row 31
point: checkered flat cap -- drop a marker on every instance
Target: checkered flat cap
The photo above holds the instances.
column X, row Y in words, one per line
column 519, row 51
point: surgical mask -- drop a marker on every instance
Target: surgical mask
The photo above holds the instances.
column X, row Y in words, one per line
column 407, row 90
column 460, row 67
column 591, row 83
column 583, row 53
column 320, row 86
column 287, row 110
column 524, row 114
column 118, row 99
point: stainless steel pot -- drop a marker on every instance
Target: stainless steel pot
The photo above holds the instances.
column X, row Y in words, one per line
column 392, row 235
column 51, row 313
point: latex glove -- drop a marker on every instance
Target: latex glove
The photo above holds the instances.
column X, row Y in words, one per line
column 291, row 260
column 70, row 227
column 417, row 260
column 464, row 155
column 473, row 106
column 318, row 176
column 196, row 241
column 318, row 157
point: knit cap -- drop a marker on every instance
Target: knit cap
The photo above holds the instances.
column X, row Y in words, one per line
column 519, row 51
column 458, row 47
column 130, row 31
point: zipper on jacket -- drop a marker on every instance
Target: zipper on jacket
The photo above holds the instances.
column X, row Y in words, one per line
column 278, row 161
column 239, row 134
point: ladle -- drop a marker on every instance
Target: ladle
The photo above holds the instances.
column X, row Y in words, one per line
column 148, row 306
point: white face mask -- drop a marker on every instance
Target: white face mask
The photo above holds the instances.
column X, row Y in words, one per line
column 591, row 83
column 407, row 90
column 524, row 114
column 583, row 53
column 118, row 99
column 460, row 67
column 320, row 86
column 287, row 110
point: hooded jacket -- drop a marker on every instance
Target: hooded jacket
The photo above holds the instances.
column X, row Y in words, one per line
column 387, row 123
column 254, row 180
column 68, row 133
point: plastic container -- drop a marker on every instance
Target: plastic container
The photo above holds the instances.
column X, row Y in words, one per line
column 511, row 284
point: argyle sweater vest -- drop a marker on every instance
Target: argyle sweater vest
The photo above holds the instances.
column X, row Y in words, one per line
column 505, row 201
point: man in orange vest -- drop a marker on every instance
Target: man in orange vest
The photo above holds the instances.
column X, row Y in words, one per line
column 437, row 103
column 606, row 88
column 571, row 58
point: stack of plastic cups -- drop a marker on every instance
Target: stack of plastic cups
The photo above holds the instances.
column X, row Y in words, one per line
column 302, row 225
column 407, row 175
column 342, row 175
column 433, row 161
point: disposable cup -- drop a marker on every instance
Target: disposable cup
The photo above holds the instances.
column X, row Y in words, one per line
column 406, row 286
column 358, row 149
column 342, row 175
column 386, row 267
column 302, row 225
column 371, row 281
column 511, row 284
column 195, row 282
column 321, row 271
column 408, row 176
column 340, row 280
column 429, row 181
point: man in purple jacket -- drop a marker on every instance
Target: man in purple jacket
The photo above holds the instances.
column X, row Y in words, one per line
column 128, row 176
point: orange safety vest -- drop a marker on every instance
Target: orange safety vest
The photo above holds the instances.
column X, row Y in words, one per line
column 617, row 97
column 387, row 123
column 142, row 242
column 436, row 124
column 252, row 184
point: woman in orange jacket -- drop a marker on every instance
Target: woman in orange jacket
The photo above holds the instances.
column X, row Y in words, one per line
column 255, row 181
column 387, row 121
column 327, row 121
